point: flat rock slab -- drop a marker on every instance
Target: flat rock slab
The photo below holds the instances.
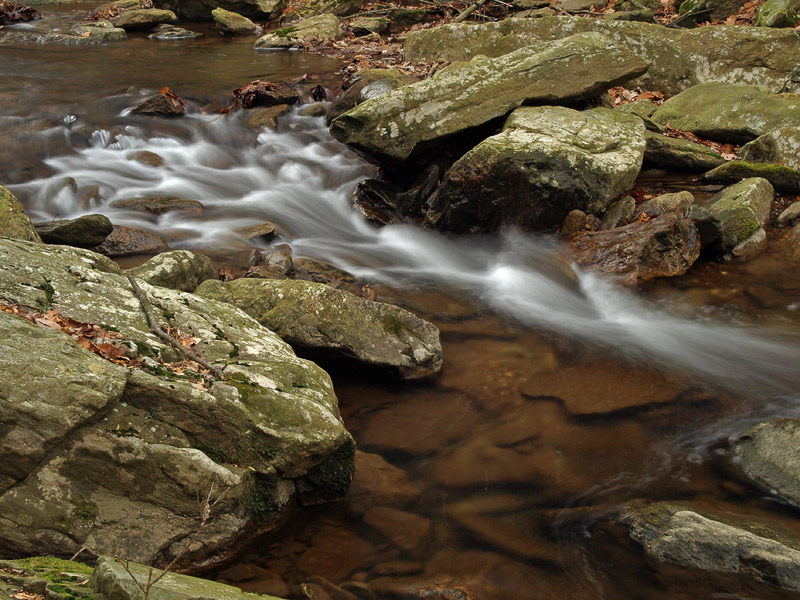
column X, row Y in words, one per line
column 316, row 316
column 663, row 152
column 546, row 162
column 678, row 58
column 414, row 118
column 159, row 206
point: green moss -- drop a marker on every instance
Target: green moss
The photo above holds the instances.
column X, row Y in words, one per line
column 43, row 563
column 285, row 32
column 168, row 315
column 335, row 473
column 260, row 496
column 68, row 593
column 49, row 293
column 85, row 511
column 143, row 349
column 235, row 352
column 218, row 333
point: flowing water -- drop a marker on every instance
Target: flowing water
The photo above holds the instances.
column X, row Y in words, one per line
column 563, row 397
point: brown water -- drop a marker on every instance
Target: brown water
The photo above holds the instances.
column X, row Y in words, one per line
column 560, row 401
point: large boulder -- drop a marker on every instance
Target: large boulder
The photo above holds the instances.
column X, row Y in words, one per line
column 412, row 119
column 728, row 113
column 83, row 232
column 14, row 223
column 678, row 154
column 233, row 23
column 143, row 18
column 769, row 455
column 113, row 459
column 546, row 162
column 741, row 211
column 677, row 534
column 340, row 8
column 200, row 10
column 784, row 179
column 780, row 147
column 320, row 27
column 314, row 316
column 678, row 58
column 178, row 270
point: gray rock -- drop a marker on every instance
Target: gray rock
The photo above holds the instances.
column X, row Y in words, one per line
column 83, row 232
column 177, row 270
column 101, row 31
column 547, row 161
column 710, row 10
column 14, row 223
column 127, row 241
column 316, row 316
column 665, row 203
column 320, row 27
column 643, row 15
column 788, row 216
column 778, row 13
column 784, row 179
column 619, row 213
column 267, row 116
column 414, row 118
column 663, row 152
column 200, row 10
column 170, row 32
column 780, row 147
column 750, row 247
column 233, row 23
column 371, row 83
column 769, row 455
column 143, row 18
column 741, row 210
column 367, row 25
column 340, row 8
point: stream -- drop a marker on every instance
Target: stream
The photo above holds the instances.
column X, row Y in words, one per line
column 563, row 397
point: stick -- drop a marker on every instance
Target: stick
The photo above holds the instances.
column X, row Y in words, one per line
column 156, row 328
column 469, row 10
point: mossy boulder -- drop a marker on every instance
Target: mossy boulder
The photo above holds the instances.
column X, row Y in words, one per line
column 314, row 316
column 233, row 23
column 780, row 147
column 783, row 179
column 741, row 211
column 546, row 162
column 415, row 118
column 678, row 154
column 678, row 58
column 340, row 8
column 83, row 232
column 368, row 25
column 778, row 13
column 14, row 223
column 143, row 18
column 101, row 31
column 112, row 458
column 728, row 113
column 178, row 270
column 320, row 27
column 200, row 10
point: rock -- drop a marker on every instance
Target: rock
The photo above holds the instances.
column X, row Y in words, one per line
column 794, row 241
column 170, row 32
column 367, row 25
column 267, row 117
column 728, row 113
column 640, row 108
column 263, row 232
column 778, row 13
column 547, row 161
column 340, row 8
column 315, row 316
column 320, row 272
column 371, row 83
column 161, row 105
column 619, row 213
column 678, row 58
column 406, row 530
column 663, row 152
column 158, row 206
column 266, row 93
column 579, row 5
column 784, row 179
column 148, row 158
column 143, row 18
column 124, row 478
column 200, row 10
column 127, row 241
column 376, row 201
column 101, row 31
column 710, row 10
column 407, row 121
column 788, row 216
column 665, row 203
column 320, row 27
column 13, row 38
column 117, row 5
column 14, row 223
column 317, row 109
column 769, row 455
column 643, row 15
column 45, row 576
column 112, row 581
column 537, row 13
column 177, row 270
column 675, row 534
column 575, row 222
column 662, row 247
column 780, row 147
column 741, row 210
column 750, row 247
column 378, row 483
column 83, row 232
column 233, row 23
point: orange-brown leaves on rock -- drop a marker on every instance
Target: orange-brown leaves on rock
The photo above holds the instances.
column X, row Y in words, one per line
column 11, row 12
column 622, row 95
column 173, row 97
column 265, row 93
column 727, row 151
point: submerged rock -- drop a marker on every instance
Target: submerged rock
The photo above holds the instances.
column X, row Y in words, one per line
column 546, row 162
column 178, row 270
column 783, row 179
column 267, row 116
column 14, row 223
column 741, row 211
column 320, row 27
column 83, row 232
column 127, row 241
column 676, row 534
column 316, row 316
column 414, row 118
column 233, row 23
column 159, row 206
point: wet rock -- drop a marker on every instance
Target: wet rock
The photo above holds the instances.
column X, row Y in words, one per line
column 143, row 18
column 263, row 232
column 412, row 119
column 83, row 232
column 784, row 179
column 266, row 93
column 729, row 113
column 233, row 23
column 741, row 210
column 318, row 109
column 788, row 216
column 769, row 455
column 406, row 530
column 313, row 270
column 371, row 83
column 794, row 241
column 274, row 265
column 675, row 534
column 321, row 27
column 678, row 58
column 376, row 201
column 170, row 32
column 127, row 241
column 367, row 25
column 619, row 213
column 665, row 203
column 750, row 247
column 101, row 31
column 378, row 483
column 13, row 222
column 159, row 206
column 267, row 117
column 149, row 158
column 662, row 247
column 161, row 105
column 663, row 152
column 575, row 222
column 778, row 13
column 780, row 147
column 12, row 38
column 177, row 270
column 546, row 161
column 316, row 316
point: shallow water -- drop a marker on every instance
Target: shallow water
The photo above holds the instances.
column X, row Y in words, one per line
column 562, row 398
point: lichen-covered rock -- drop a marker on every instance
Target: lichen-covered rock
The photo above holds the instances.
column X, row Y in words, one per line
column 769, row 454
column 83, row 232
column 779, row 147
column 729, row 113
column 778, row 13
column 171, row 32
column 14, row 223
column 125, row 478
column 340, row 8
column 678, row 58
column 783, row 179
column 102, row 31
column 414, row 118
column 320, row 27
column 370, row 84
column 200, row 10
column 143, row 18
column 178, row 270
column 663, row 152
column 676, row 534
column 233, row 23
column 662, row 247
column 316, row 316
column 127, row 241
column 741, row 210
column 546, row 162
column 710, row 10
column 368, row 25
